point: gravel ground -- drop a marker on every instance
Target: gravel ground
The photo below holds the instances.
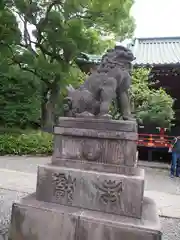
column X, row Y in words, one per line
column 7, row 197
column 170, row 228
column 159, row 180
column 22, row 163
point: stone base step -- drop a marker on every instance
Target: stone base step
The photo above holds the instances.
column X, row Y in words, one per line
column 32, row 219
column 100, row 191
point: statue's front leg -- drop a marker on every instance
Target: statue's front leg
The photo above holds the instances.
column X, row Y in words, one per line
column 125, row 105
column 107, row 94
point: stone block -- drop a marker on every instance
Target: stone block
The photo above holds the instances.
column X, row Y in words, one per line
column 36, row 220
column 99, row 226
column 98, row 124
column 33, row 220
column 106, row 192
column 94, row 140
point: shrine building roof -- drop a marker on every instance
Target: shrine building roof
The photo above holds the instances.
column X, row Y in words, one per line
column 88, row 58
column 156, row 51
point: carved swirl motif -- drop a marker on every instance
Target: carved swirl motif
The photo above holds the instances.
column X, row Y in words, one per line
column 64, row 187
column 110, row 191
column 91, row 150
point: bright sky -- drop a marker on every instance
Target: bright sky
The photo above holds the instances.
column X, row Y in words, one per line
column 157, row 18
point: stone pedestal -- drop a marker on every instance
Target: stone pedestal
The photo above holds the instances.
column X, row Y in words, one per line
column 95, row 140
column 92, row 190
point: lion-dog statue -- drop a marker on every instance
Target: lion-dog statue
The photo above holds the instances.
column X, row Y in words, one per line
column 111, row 81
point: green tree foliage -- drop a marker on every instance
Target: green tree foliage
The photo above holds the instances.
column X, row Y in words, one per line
column 28, row 142
column 150, row 105
column 9, row 31
column 44, row 37
column 19, row 98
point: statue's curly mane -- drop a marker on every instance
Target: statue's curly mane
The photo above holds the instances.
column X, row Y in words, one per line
column 119, row 56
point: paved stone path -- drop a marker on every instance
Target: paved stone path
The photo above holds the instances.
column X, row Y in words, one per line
column 18, row 178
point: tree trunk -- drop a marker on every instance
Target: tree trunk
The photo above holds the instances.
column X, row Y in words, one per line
column 49, row 106
column 44, row 101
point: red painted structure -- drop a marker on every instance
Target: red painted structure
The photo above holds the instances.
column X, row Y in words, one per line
column 154, row 140
column 155, row 143
column 159, row 139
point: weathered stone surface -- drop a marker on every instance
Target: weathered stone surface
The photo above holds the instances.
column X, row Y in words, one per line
column 106, row 192
column 111, row 80
column 120, row 152
column 36, row 220
column 33, row 220
column 100, row 167
column 76, row 141
column 98, row 124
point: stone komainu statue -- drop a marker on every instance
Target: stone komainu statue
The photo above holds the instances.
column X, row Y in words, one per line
column 111, row 81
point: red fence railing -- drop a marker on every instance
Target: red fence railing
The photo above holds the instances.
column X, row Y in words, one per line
column 155, row 140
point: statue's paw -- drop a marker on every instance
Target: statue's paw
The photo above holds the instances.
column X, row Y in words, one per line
column 85, row 115
column 105, row 116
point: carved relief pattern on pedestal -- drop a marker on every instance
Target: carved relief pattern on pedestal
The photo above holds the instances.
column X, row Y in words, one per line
column 115, row 152
column 70, row 148
column 110, row 191
column 91, row 150
column 64, row 186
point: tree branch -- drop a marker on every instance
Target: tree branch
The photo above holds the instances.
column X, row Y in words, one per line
column 19, row 63
column 26, row 35
column 50, row 54
column 44, row 21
